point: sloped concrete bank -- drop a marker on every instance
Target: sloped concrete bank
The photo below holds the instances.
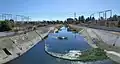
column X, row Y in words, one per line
column 108, row 40
column 14, row 46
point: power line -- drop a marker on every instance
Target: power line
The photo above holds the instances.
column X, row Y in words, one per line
column 104, row 14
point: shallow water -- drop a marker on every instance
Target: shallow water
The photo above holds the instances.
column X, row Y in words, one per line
column 37, row 54
column 73, row 42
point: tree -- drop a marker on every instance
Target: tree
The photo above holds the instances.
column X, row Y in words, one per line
column 5, row 26
column 44, row 21
column 87, row 19
column 61, row 22
column 90, row 18
column 70, row 20
column 109, row 19
column 79, row 18
column 101, row 18
column 11, row 20
column 53, row 22
column 93, row 19
column 82, row 19
column 58, row 21
column 76, row 19
column 115, row 18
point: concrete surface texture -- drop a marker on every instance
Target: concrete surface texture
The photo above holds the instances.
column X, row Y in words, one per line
column 106, row 39
column 108, row 36
column 14, row 46
column 6, row 33
column 105, row 28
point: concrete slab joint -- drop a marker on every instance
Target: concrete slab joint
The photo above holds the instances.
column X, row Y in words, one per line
column 14, row 46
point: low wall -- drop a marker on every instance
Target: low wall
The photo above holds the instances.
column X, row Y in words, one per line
column 15, row 46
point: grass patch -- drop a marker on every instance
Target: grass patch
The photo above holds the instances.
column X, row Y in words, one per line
column 93, row 54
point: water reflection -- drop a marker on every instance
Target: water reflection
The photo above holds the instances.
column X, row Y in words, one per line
column 73, row 42
column 37, row 54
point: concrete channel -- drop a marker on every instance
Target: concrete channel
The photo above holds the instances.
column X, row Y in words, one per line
column 107, row 40
column 15, row 46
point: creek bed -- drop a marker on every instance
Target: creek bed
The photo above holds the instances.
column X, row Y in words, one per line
column 38, row 55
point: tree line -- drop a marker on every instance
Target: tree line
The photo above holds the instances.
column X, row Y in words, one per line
column 6, row 25
column 82, row 19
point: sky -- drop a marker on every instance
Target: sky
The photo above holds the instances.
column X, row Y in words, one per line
column 57, row 9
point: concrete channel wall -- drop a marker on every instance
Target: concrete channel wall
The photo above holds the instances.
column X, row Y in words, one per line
column 107, row 36
column 15, row 46
column 105, row 28
column 106, row 39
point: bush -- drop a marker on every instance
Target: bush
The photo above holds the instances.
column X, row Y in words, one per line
column 5, row 26
column 93, row 55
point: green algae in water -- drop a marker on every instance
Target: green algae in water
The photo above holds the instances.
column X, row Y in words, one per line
column 93, row 54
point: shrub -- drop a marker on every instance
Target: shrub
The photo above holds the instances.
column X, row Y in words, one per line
column 5, row 26
column 93, row 55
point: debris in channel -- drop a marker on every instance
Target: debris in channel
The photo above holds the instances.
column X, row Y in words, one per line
column 62, row 38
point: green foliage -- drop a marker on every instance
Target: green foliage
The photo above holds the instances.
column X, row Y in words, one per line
column 93, row 55
column 87, row 19
column 76, row 19
column 5, row 25
column 101, row 18
column 81, row 19
column 114, row 18
column 93, row 19
column 52, row 22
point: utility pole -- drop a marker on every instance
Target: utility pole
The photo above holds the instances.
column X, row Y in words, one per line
column 21, row 17
column 6, row 16
column 100, row 14
column 9, row 16
column 17, row 17
column 3, row 17
column 0, row 17
column 74, row 15
column 106, row 13
column 92, row 15
column 28, row 18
